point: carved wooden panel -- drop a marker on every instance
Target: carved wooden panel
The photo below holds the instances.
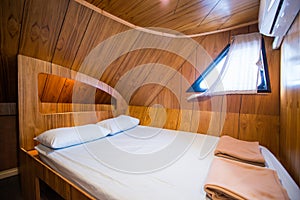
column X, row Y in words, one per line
column 10, row 29
column 41, row 26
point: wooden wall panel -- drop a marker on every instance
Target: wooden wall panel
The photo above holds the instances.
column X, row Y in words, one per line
column 8, row 78
column 290, row 101
column 170, row 62
column 52, row 88
column 72, row 32
column 11, row 17
column 41, row 27
column 98, row 30
column 8, row 136
column 66, row 32
column 11, row 12
column 127, row 62
column 262, row 128
column 248, row 117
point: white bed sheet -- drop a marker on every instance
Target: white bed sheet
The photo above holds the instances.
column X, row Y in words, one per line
column 182, row 179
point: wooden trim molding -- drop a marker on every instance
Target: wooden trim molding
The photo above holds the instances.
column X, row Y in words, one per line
column 8, row 109
column 33, row 169
column 8, row 173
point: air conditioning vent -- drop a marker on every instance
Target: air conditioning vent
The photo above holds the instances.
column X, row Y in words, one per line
column 276, row 17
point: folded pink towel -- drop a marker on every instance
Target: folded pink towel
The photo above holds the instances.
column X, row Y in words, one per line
column 235, row 149
column 228, row 179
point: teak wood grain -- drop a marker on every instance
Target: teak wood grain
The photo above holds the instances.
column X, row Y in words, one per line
column 41, row 25
column 73, row 29
column 290, row 102
column 33, row 170
column 11, row 12
column 32, row 122
column 189, row 17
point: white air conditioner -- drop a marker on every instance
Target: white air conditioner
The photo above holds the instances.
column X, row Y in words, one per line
column 275, row 18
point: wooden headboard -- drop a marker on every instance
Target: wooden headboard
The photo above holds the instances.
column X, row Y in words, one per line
column 33, row 121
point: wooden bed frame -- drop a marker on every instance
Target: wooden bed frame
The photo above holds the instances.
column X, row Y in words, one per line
column 33, row 122
column 36, row 116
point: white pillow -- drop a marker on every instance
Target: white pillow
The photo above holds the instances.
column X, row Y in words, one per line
column 69, row 136
column 42, row 149
column 119, row 124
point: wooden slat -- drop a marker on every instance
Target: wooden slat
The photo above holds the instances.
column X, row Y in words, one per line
column 231, row 125
column 234, row 6
column 102, row 26
column 168, row 61
column 48, row 108
column 52, row 88
column 42, row 79
column 127, row 62
column 70, row 37
column 165, row 70
column 41, row 27
column 166, row 97
column 65, row 95
column 189, row 17
column 140, row 112
column 249, row 14
column 290, row 102
column 262, row 128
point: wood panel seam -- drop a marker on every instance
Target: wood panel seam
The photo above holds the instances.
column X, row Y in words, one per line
column 59, row 32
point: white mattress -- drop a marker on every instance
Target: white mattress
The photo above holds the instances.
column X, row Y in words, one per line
column 146, row 163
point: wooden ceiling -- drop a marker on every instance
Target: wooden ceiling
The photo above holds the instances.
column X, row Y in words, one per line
column 186, row 16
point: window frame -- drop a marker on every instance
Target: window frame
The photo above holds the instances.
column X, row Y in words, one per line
column 264, row 87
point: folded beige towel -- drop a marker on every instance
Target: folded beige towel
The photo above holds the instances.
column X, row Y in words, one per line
column 249, row 152
column 228, row 179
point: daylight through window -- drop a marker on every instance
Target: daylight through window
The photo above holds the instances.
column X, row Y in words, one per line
column 241, row 68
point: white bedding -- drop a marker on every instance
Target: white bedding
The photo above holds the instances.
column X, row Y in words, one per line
column 113, row 168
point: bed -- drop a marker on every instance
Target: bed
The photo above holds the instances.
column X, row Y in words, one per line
column 181, row 178
column 113, row 166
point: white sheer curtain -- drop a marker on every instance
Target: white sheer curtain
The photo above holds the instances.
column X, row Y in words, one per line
column 240, row 72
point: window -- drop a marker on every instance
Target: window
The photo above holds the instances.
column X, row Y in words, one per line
column 241, row 68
